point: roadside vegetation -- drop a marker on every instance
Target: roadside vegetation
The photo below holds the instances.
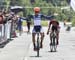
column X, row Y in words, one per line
column 48, row 7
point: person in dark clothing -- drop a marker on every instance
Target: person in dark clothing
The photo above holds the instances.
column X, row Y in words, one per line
column 28, row 25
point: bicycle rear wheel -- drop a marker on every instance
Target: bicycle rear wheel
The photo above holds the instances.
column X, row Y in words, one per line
column 51, row 45
column 54, row 44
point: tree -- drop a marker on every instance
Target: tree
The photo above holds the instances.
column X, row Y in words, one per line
column 68, row 1
column 15, row 2
column 2, row 4
column 32, row 1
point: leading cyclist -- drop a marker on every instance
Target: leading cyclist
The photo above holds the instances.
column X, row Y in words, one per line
column 54, row 25
column 37, row 25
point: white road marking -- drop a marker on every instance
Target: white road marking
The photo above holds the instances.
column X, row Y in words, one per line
column 30, row 47
column 26, row 58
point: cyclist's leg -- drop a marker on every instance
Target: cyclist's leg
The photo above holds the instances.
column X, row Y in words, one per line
column 28, row 26
column 57, row 37
column 33, row 39
column 20, row 28
column 50, row 38
column 52, row 29
column 42, row 37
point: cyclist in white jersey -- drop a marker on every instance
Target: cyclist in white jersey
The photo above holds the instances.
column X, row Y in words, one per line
column 37, row 25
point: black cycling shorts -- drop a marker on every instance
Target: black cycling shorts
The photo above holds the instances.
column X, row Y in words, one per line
column 37, row 28
column 54, row 28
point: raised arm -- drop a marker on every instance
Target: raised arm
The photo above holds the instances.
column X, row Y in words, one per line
column 49, row 27
column 23, row 18
column 47, row 17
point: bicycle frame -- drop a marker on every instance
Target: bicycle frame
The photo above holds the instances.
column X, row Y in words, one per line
column 37, row 29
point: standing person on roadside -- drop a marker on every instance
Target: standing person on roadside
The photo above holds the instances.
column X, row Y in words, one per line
column 37, row 17
column 64, row 22
column 1, row 25
column 19, row 23
column 28, row 25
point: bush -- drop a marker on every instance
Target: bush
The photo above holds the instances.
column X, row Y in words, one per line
column 73, row 22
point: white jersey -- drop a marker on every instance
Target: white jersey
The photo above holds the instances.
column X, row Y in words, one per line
column 37, row 20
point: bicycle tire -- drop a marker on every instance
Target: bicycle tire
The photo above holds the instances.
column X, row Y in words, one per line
column 53, row 46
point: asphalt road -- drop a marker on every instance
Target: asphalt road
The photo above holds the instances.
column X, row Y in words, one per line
column 21, row 48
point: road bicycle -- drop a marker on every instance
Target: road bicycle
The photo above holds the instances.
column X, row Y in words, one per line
column 37, row 29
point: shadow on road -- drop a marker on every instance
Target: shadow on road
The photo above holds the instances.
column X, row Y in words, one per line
column 4, row 43
column 35, row 56
column 52, row 51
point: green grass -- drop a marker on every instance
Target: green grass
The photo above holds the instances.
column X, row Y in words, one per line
column 24, row 23
column 44, row 23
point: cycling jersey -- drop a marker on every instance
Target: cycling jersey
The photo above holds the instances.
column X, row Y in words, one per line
column 37, row 22
column 54, row 23
column 37, row 18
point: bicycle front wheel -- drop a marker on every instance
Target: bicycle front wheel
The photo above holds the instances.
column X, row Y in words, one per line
column 38, row 46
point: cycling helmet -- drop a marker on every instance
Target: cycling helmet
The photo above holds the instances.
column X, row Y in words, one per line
column 36, row 9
